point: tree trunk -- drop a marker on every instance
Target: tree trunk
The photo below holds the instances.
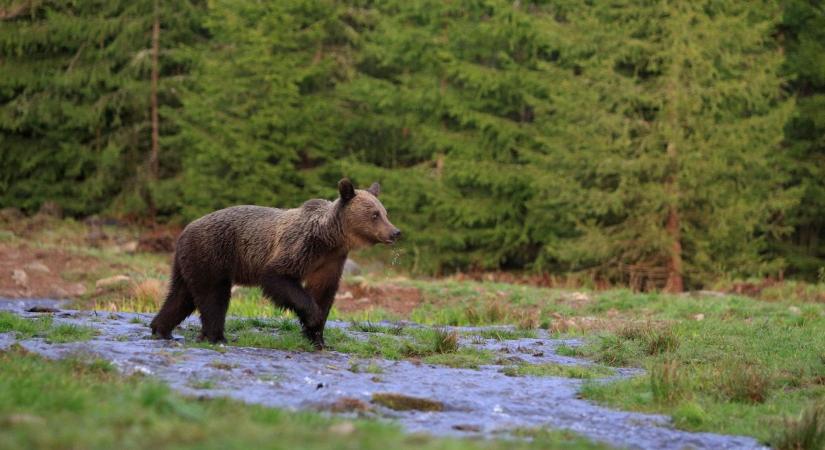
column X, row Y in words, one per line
column 153, row 156
column 675, row 282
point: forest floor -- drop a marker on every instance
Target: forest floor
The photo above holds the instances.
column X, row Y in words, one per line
column 713, row 362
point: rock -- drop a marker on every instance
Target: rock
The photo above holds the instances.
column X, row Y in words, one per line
column 794, row 310
column 342, row 428
column 698, row 317
column 20, row 277
column 467, row 427
column 37, row 266
column 129, row 247
column 401, row 402
column 580, row 297
column 343, row 295
column 111, row 282
column 351, row 268
column 42, row 309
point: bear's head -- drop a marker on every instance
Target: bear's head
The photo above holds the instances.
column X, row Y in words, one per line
column 363, row 217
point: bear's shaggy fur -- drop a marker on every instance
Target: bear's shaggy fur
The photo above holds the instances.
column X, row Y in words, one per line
column 295, row 255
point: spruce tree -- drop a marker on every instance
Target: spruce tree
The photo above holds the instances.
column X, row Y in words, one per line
column 74, row 98
column 695, row 191
column 803, row 36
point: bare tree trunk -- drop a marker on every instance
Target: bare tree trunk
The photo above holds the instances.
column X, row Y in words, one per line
column 153, row 156
column 675, row 281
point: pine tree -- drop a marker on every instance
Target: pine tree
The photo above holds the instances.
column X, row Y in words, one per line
column 695, row 190
column 803, row 34
column 74, row 120
column 261, row 113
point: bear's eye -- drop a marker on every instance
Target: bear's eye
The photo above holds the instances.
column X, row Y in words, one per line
column 375, row 215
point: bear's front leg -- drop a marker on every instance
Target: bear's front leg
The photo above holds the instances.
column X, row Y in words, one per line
column 288, row 293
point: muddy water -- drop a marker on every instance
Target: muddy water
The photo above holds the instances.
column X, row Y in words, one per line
column 483, row 401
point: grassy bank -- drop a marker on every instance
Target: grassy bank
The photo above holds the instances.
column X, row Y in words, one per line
column 79, row 403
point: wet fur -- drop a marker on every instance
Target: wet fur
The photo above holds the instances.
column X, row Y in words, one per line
column 295, row 255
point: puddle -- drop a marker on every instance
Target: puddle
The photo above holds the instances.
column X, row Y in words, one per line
column 481, row 402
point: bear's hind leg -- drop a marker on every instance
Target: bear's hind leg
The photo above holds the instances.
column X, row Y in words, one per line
column 213, row 302
column 177, row 306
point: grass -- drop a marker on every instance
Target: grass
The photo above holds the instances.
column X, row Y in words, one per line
column 558, row 370
column 741, row 372
column 369, row 367
column 68, row 332
column 504, row 334
column 95, row 408
column 720, row 363
column 44, row 327
column 285, row 334
column 805, row 432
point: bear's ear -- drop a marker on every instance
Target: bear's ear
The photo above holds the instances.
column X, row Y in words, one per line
column 346, row 190
column 375, row 189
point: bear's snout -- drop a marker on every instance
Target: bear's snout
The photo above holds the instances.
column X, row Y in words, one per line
column 395, row 235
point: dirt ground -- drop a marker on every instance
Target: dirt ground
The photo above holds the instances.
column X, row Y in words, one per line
column 38, row 273
column 399, row 300
column 29, row 272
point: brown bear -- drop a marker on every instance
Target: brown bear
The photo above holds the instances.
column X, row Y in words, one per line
column 295, row 255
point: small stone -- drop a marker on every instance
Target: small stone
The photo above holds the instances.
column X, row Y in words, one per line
column 129, row 247
column 37, row 266
column 698, row 317
column 110, row 282
column 42, row 309
column 20, row 277
column 580, row 297
column 342, row 428
column 794, row 310
column 467, row 427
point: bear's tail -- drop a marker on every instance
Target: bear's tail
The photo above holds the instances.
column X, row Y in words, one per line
column 178, row 305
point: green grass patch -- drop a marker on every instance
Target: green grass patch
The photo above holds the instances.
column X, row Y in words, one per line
column 464, row 357
column 744, row 372
column 504, row 334
column 365, row 367
column 433, row 345
column 95, row 408
column 44, row 327
column 558, row 370
column 68, row 332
